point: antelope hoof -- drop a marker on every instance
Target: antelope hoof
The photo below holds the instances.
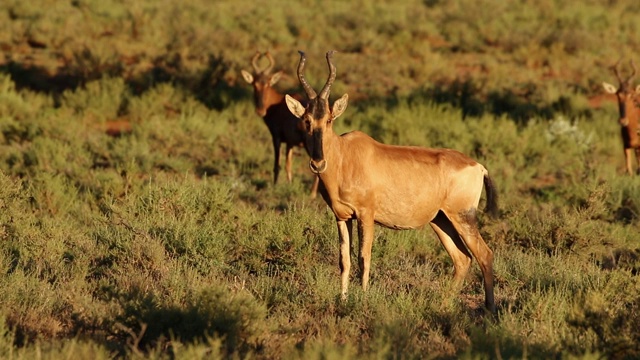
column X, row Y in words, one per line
column 318, row 167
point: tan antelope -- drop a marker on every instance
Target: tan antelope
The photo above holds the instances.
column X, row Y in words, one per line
column 629, row 112
column 270, row 105
column 399, row 187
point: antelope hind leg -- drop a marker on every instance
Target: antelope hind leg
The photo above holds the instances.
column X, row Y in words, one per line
column 466, row 225
column 454, row 246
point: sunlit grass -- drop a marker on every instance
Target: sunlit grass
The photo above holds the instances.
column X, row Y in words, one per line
column 126, row 235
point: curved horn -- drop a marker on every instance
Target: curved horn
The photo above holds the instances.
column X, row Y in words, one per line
column 614, row 67
column 633, row 74
column 324, row 94
column 271, row 63
column 254, row 61
column 308, row 89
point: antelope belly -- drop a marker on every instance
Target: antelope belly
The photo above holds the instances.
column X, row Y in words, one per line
column 407, row 214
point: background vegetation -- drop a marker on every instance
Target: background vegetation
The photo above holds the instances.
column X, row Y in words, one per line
column 169, row 240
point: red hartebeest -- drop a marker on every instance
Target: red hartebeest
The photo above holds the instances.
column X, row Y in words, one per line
column 399, row 187
column 629, row 112
column 270, row 105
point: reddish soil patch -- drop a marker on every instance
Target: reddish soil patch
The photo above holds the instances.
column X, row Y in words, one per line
column 597, row 101
column 117, row 127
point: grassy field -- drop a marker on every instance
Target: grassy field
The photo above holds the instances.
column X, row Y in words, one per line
column 169, row 240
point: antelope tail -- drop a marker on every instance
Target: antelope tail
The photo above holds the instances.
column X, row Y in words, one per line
column 492, row 196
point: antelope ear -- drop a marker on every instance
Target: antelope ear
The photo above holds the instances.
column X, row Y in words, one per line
column 274, row 78
column 609, row 88
column 339, row 106
column 294, row 106
column 247, row 76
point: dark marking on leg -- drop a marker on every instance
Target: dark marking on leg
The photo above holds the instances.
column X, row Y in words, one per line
column 470, row 217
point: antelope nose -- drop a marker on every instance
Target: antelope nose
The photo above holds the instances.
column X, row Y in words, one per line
column 317, row 166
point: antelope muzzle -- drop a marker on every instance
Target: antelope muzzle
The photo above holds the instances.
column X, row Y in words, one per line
column 317, row 164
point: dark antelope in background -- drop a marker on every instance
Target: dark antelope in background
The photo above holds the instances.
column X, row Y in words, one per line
column 270, row 105
column 400, row 187
column 628, row 120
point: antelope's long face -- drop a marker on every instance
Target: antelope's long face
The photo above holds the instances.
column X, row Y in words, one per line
column 262, row 81
column 317, row 117
column 627, row 104
column 627, row 100
column 626, row 94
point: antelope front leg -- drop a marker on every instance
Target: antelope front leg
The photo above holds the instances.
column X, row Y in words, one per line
column 344, row 261
column 627, row 160
column 365, row 234
column 276, row 161
column 314, row 187
column 287, row 165
column 638, row 161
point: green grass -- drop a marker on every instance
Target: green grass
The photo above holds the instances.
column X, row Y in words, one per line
column 126, row 246
column 170, row 241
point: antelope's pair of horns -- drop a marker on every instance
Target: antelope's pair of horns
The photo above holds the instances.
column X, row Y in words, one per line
column 256, row 57
column 615, row 71
column 324, row 94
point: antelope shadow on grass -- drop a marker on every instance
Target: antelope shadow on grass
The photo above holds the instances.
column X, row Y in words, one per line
column 207, row 85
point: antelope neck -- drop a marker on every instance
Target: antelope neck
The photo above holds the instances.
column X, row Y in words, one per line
column 270, row 98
